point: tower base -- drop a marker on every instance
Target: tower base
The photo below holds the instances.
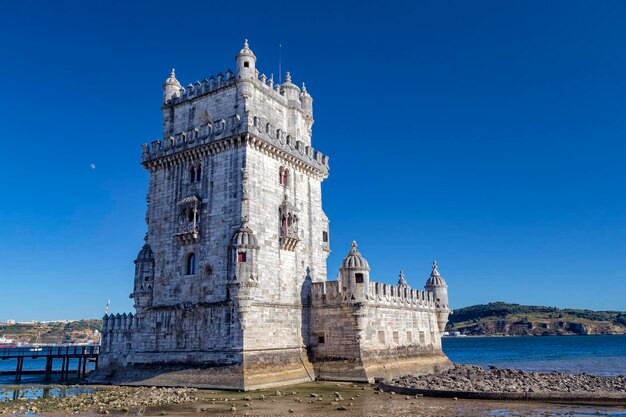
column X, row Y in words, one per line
column 262, row 369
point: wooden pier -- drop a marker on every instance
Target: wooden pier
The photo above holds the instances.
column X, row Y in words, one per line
column 83, row 354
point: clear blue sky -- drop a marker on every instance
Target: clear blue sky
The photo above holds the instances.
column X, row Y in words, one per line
column 489, row 135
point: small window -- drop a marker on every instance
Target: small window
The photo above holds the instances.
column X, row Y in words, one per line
column 241, row 257
column 325, row 236
column 396, row 338
column 381, row 336
column 192, row 174
column 199, row 173
column 283, row 177
column 246, row 64
column 358, row 277
column 191, row 264
column 321, row 340
column 422, row 338
column 409, row 337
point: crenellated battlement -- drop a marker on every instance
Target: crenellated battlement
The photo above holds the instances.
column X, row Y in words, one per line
column 218, row 82
column 213, row 133
column 378, row 293
column 113, row 322
column 382, row 293
column 202, row 88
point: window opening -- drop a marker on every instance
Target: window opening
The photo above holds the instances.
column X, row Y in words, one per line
column 191, row 264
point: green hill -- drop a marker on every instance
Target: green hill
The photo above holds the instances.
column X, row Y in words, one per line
column 505, row 319
column 80, row 331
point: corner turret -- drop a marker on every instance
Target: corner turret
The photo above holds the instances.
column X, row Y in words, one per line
column 437, row 285
column 171, row 86
column 246, row 62
column 144, row 279
column 355, row 275
column 242, row 265
column 307, row 101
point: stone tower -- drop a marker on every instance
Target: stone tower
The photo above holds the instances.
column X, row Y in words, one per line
column 236, row 235
column 231, row 286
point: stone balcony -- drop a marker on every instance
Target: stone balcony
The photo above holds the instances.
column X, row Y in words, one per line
column 289, row 238
column 188, row 233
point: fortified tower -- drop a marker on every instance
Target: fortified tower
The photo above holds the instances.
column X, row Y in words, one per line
column 236, row 234
column 230, row 286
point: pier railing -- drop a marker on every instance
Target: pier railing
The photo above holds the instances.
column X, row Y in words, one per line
column 45, row 351
column 81, row 354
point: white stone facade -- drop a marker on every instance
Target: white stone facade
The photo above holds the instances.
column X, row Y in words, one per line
column 231, row 285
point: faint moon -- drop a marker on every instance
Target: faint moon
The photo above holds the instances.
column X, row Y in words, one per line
column 92, row 166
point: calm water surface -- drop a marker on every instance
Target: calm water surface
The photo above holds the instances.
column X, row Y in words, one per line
column 600, row 355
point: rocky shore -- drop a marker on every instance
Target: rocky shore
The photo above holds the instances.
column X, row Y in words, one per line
column 102, row 400
column 477, row 379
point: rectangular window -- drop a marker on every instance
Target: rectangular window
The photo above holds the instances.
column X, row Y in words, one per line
column 325, row 236
column 422, row 338
column 241, row 257
column 396, row 338
column 320, row 340
column 409, row 337
column 358, row 277
column 381, row 337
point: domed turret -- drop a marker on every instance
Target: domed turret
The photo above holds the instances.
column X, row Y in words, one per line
column 246, row 62
column 145, row 254
column 355, row 274
column 144, row 279
column 354, row 259
column 243, row 248
column 291, row 91
column 171, row 86
column 437, row 285
column 244, row 237
column 242, row 271
column 307, row 101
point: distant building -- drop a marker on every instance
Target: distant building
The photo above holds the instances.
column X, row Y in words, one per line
column 10, row 322
column 231, row 287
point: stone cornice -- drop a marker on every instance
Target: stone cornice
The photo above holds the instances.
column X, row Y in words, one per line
column 294, row 157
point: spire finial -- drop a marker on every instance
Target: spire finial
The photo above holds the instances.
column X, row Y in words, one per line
column 303, row 88
column 173, row 73
column 435, row 272
column 245, row 43
column 288, row 77
column 353, row 244
column 402, row 281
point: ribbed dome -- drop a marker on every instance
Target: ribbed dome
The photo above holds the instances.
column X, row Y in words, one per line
column 244, row 237
column 145, row 254
column 172, row 79
column 355, row 260
column 435, row 280
column 246, row 50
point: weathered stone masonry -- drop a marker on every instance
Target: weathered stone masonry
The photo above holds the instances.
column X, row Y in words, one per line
column 231, row 286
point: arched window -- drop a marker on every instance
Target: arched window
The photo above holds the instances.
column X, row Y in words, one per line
column 199, row 173
column 283, row 176
column 191, row 264
column 192, row 174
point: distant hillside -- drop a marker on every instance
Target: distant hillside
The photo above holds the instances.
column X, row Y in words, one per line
column 80, row 331
column 505, row 319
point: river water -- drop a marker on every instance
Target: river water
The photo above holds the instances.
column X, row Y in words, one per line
column 599, row 355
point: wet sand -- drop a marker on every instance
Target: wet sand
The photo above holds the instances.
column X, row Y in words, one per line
column 324, row 399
